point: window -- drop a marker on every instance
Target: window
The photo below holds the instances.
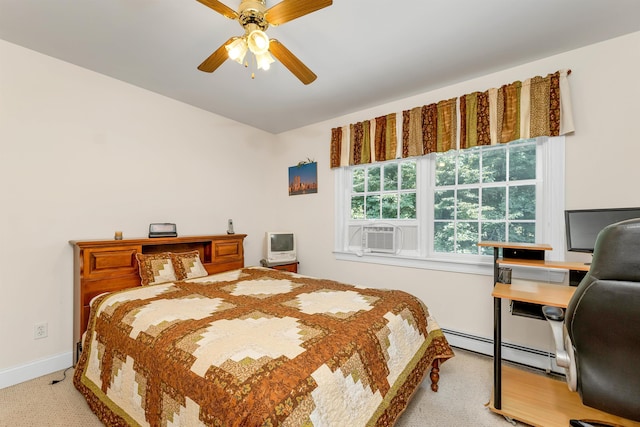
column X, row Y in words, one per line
column 443, row 204
column 485, row 193
column 384, row 191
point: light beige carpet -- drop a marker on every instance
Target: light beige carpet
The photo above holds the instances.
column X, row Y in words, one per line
column 465, row 386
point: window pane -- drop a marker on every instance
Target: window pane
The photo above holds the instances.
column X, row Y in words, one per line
column 373, row 179
column 357, row 207
column 408, row 206
column 390, row 178
column 390, row 206
column 494, row 165
column 408, row 171
column 467, row 206
column 444, row 204
column 522, row 232
column 469, row 166
column 495, row 231
column 522, row 162
column 358, row 180
column 373, row 207
column 467, row 238
column 486, row 251
column 522, row 202
column 494, row 204
column 376, row 193
column 445, row 169
column 443, row 237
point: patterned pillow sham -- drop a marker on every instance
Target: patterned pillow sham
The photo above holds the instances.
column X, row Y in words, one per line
column 156, row 268
column 188, row 265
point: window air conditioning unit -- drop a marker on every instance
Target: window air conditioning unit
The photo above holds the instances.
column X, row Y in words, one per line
column 379, row 238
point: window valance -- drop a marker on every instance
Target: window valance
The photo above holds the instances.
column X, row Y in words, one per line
column 539, row 106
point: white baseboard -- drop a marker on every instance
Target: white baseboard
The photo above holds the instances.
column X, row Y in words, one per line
column 35, row 369
column 514, row 353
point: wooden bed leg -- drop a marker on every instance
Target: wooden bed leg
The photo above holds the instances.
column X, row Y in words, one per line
column 435, row 374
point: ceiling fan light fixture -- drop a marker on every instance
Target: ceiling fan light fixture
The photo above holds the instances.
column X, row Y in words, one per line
column 258, row 42
column 237, row 49
column 255, row 18
column 264, row 60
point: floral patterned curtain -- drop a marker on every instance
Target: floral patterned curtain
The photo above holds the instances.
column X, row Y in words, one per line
column 360, row 143
column 519, row 110
column 386, row 139
column 430, row 128
column 539, row 106
column 474, row 120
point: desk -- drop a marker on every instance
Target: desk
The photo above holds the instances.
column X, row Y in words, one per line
column 530, row 397
column 536, row 293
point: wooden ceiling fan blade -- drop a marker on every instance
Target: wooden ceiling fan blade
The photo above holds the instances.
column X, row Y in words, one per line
column 289, row 60
column 288, row 10
column 216, row 59
column 220, row 8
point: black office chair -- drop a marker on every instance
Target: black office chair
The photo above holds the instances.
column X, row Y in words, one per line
column 598, row 338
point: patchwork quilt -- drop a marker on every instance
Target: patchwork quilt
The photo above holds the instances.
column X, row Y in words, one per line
column 256, row 347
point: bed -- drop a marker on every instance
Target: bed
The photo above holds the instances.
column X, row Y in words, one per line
column 256, row 347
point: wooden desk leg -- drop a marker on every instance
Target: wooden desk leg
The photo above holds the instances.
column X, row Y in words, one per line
column 497, row 353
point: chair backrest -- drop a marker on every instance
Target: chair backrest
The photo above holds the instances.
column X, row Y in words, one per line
column 603, row 322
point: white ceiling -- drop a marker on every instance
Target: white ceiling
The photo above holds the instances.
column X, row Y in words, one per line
column 365, row 52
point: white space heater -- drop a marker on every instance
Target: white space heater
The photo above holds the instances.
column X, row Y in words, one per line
column 379, row 238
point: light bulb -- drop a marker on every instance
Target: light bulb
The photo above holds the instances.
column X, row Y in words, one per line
column 258, row 42
column 237, row 49
column 264, row 60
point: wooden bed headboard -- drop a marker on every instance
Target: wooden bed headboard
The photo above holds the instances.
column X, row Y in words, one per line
column 110, row 265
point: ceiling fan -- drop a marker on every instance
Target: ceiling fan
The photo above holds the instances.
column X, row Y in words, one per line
column 255, row 18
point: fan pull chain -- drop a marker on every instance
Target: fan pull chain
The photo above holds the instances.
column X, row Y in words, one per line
column 254, row 65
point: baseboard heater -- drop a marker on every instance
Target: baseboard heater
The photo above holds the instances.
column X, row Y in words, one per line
column 512, row 352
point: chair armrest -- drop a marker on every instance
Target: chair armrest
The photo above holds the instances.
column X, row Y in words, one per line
column 553, row 313
column 555, row 317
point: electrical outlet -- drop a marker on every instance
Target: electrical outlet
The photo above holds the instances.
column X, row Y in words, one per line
column 40, row 330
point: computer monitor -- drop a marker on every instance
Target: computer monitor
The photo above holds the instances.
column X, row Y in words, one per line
column 583, row 225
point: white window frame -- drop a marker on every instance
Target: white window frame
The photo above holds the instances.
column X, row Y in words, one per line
column 549, row 217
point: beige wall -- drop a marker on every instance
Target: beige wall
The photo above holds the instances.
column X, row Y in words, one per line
column 83, row 155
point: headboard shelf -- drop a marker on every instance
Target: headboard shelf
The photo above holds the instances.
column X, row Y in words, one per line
column 110, row 265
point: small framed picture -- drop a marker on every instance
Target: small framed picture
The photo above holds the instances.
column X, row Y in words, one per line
column 303, row 179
